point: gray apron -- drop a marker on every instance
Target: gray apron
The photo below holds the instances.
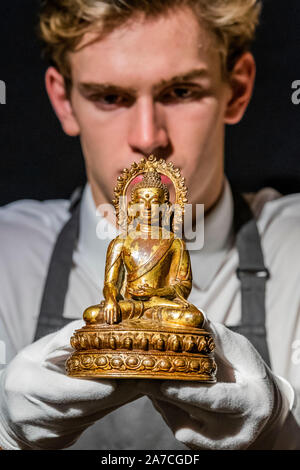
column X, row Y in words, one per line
column 138, row 425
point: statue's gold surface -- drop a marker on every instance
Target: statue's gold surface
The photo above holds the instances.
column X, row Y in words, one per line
column 145, row 327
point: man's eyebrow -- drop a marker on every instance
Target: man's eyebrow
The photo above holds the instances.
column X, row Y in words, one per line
column 186, row 77
column 91, row 87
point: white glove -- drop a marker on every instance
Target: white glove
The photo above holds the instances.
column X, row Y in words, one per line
column 246, row 408
column 41, row 407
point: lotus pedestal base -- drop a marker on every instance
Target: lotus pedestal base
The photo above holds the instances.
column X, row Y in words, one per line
column 134, row 349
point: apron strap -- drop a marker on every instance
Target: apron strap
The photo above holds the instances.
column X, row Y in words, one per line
column 253, row 276
column 57, row 281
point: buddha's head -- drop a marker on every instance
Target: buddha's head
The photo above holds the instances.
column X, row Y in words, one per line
column 150, row 200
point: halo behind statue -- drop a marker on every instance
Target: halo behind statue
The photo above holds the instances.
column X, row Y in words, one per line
column 147, row 166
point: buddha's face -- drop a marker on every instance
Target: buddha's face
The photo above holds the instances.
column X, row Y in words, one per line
column 149, row 204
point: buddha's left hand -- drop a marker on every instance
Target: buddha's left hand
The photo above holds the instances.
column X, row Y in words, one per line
column 143, row 291
column 146, row 291
column 245, row 409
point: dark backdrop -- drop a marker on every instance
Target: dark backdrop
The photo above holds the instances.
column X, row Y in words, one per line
column 39, row 161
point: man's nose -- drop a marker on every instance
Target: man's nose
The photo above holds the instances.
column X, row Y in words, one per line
column 147, row 132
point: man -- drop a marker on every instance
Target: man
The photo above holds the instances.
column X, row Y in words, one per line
column 134, row 78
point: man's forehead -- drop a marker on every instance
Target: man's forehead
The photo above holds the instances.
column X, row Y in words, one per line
column 180, row 21
column 162, row 47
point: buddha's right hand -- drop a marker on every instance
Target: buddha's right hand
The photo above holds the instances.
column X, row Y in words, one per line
column 41, row 407
column 112, row 312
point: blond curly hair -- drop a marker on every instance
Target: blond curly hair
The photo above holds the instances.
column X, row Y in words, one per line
column 63, row 23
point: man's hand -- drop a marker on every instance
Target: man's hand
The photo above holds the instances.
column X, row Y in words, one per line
column 244, row 409
column 41, row 407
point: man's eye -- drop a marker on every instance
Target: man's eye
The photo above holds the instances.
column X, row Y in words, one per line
column 112, row 100
column 178, row 94
column 182, row 92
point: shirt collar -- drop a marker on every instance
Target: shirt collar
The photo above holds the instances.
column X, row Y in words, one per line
column 96, row 233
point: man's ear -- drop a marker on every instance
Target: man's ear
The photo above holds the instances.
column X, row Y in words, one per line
column 56, row 89
column 241, row 82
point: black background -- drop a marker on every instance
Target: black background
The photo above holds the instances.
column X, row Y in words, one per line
column 38, row 161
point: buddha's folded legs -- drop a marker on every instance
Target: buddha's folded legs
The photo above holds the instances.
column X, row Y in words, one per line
column 157, row 309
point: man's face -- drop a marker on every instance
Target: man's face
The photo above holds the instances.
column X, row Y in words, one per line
column 151, row 86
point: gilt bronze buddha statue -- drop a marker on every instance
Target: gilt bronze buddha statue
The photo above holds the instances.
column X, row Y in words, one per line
column 145, row 327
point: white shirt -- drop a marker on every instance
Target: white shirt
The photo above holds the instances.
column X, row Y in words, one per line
column 29, row 230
